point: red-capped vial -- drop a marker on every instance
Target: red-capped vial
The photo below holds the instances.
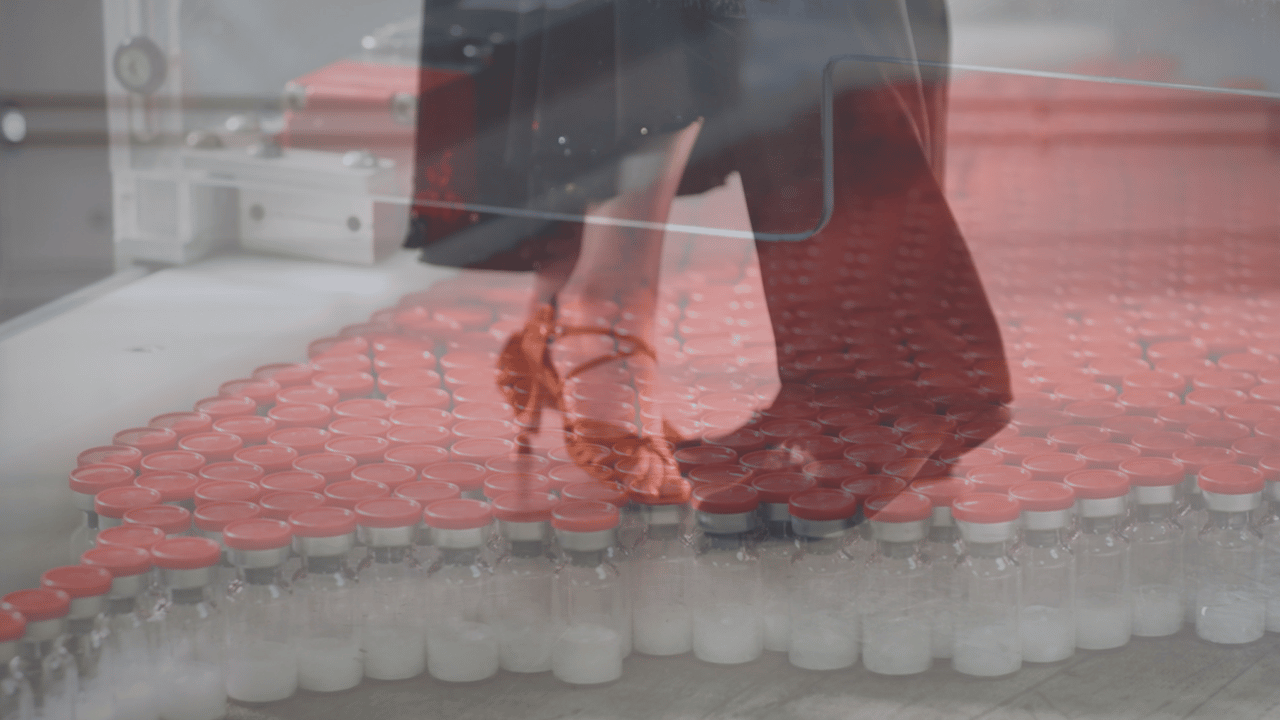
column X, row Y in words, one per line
column 210, row 518
column 997, row 479
column 1218, row 433
column 1047, row 567
column 831, row 473
column 422, row 417
column 1103, row 456
column 1252, row 450
column 1178, row 417
column 280, row 504
column 1069, row 438
column 293, row 480
column 727, row 600
column 172, row 519
column 515, row 482
column 36, row 641
column 86, row 482
column 357, row 426
column 285, row 374
column 337, row 346
column 219, row 407
column 348, row 493
column 300, row 415
column 341, row 363
column 182, row 423
column 304, row 440
column 428, row 397
column 1147, row 401
column 394, row 645
column 261, row 391
column 742, row 441
column 1124, row 427
column 468, row 476
column 330, row 616
column 224, row 490
column 986, row 638
column 133, row 536
column 1230, row 602
column 898, row 580
column 523, row 577
column 870, row 434
column 311, row 394
column 271, row 458
column 1104, row 612
column 1162, row 443
column 88, row 588
column 125, row 455
column 147, row 439
column 392, row 381
column 365, row 449
column 334, row 467
column 130, row 569
column 522, row 462
column 175, row 487
column 348, row 385
column 112, row 503
column 213, row 446
column 419, row 435
column 480, row 450
column 392, row 475
column 238, row 471
column 251, row 429
column 173, row 461
column 910, row 468
column 1252, row 413
column 1216, row 398
column 1017, row 449
column 776, row 549
column 1248, row 362
column 363, row 408
column 384, row 362
column 962, row 460
column 874, row 455
column 259, row 611
column 190, row 620
column 416, row 456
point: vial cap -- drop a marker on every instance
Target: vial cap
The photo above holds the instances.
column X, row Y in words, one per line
column 417, row 456
column 257, row 534
column 1218, row 432
column 778, row 487
column 422, row 417
column 183, row 423
column 285, row 374
column 909, row 468
column 147, row 439
column 303, row 439
column 1200, row 456
column 823, row 503
column 1153, row 471
column 515, row 482
column 985, row 508
column 1098, row 484
column 249, row 428
column 92, row 479
column 231, row 470
column 170, row 519
column 78, row 581
column 337, row 346
column 115, row 502
column 364, row 448
column 595, row 490
column 1256, row 447
column 524, row 507
column 185, row 553
column 271, row 458
column 388, row 512
column 220, row 406
column 725, row 499
column 467, row 476
column 308, row 395
column 119, row 560
column 1069, row 437
column 584, row 516
column 522, row 462
column 347, row 384
column 294, row 480
column 226, row 490
column 407, row 397
column 390, row 474
column 481, row 449
column 12, row 625
column 137, row 536
column 719, row 475
column 426, row 492
column 212, row 445
column 341, row 363
column 457, row 514
column 1231, row 479
column 367, row 426
column 125, row 455
column 873, row 485
column 333, row 466
column 943, row 490
column 39, row 604
column 363, row 408
column 348, row 493
column 214, row 516
column 173, row 485
column 830, row 473
column 322, row 522
column 1043, row 496
column 899, row 508
column 705, row 455
column 281, row 504
column 298, row 414
column 1104, row 455
column 1162, row 442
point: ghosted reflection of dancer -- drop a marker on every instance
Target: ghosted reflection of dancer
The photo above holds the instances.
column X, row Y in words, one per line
column 668, row 97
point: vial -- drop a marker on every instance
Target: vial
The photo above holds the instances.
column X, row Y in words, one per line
column 424, row 493
column 462, row 644
column 1155, row 546
column 591, row 610
column 522, row 581
column 262, row 665
column 728, row 621
column 776, row 549
column 1047, row 623
column 1104, row 602
column 42, row 656
column 111, row 504
column 190, row 631
column 1269, row 526
column 86, row 482
column 87, row 587
column 661, row 564
column 390, row 588
column 943, row 547
column 1192, row 515
column 895, row 611
column 824, row 581
column 209, row 520
column 1230, row 605
column 988, row 596
column 128, row 655
column 628, row 522
column 15, row 691
column 328, row 643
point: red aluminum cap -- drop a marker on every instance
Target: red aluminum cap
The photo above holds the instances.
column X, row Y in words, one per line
column 719, row 475
column 271, row 458
column 998, row 479
column 595, row 490
column 943, row 490
column 416, row 456
column 1098, row 484
column 427, row 492
column 1199, row 456
column 225, row 490
column 214, row 446
column 125, row 455
column 392, row 475
column 1231, row 479
column 349, row 426
column 147, row 439
column 261, row 391
column 515, row 482
column 257, row 534
column 778, row 487
column 420, row 435
column 1153, row 471
column 349, row 492
column 252, row 429
column 299, row 415
column 430, row 397
column 870, row 435
column 219, row 406
column 138, row 536
column 467, row 476
column 910, row 468
column 584, row 516
column 39, row 604
column 524, row 507
column 397, row 379
column 830, row 473
column 214, row 516
column 1104, row 455
column 12, row 625
column 183, row 423
column 173, row 486
column 337, row 346
column 322, row 522
column 281, row 504
column 116, row 501
column 985, row 508
column 481, row 449
column 1015, row 449
column 1218, row 432
column 523, row 462
column 388, row 512
column 341, row 364
column 232, row 470
column 1070, row 437
column 118, row 560
column 1042, row 496
column 873, row 485
column 457, row 514
column 294, row 480
column 78, row 581
column 174, row 460
column 1254, row 448
column 1123, row 428
column 285, row 374
column 172, row 519
column 307, row 395
column 92, row 479
column 819, row 504
column 185, row 553
column 725, row 499
column 364, row 448
column 363, row 408
column 898, row 508
column 333, row 466
column 1162, row 442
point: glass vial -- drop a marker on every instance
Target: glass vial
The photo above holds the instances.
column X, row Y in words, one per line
column 728, row 620
column 15, row 691
column 209, row 520
column 944, row 548
column 1230, row 605
column 988, row 587
column 824, row 581
column 1269, row 526
column 128, row 656
column 661, row 568
column 462, row 644
column 85, row 483
column 42, row 655
column 776, row 548
column 522, row 581
column 591, row 610
column 327, row 635
column 896, row 622
column 1155, row 546
column 262, row 665
column 1047, row 624
column 1104, row 601
column 86, row 634
column 191, row 631
column 390, row 589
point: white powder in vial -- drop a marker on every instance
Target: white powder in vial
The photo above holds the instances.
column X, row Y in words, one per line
column 777, row 627
column 1230, row 617
column 261, row 671
column 943, row 629
column 193, row 691
column 1158, row 610
column 901, row 645
column 1048, row 633
column 394, row 653
column 821, row 642
column 587, row 654
column 462, row 651
column 728, row 635
column 329, row 664
column 1103, row 624
column 526, row 645
column 665, row 629
column 986, row 650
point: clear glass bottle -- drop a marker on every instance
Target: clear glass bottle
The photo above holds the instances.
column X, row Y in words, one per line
column 988, row 587
column 727, row 592
column 191, row 631
column 943, row 547
column 15, row 691
column 324, row 590
column 591, row 610
column 1230, row 605
column 1104, row 597
column 425, row 492
column 895, row 611
column 1269, row 526
column 462, row 644
column 209, row 520
column 661, row 571
column 619, row 555
column 42, row 655
column 86, row 482
column 86, row 634
column 824, row 581
column 522, row 581
column 862, row 545
column 776, row 548
column 1047, row 624
column 111, row 504
column 128, row 655
column 143, row 537
column 1191, row 515
column 261, row 663
column 390, row 589
column 1155, row 546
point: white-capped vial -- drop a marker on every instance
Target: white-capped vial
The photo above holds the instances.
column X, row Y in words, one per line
column 262, row 665
column 1230, row 604
column 591, row 607
column 988, row 587
column 42, row 657
column 1269, row 526
column 824, row 581
column 87, row 632
column 1155, row 546
column 325, row 600
column 944, row 547
column 391, row 582
column 1104, row 601
column 523, row 576
column 1047, row 623
column 895, row 612
column 728, row 620
column 661, row 571
column 191, row 631
column 776, row 549
column 128, row 657
column 15, row 691
column 462, row 643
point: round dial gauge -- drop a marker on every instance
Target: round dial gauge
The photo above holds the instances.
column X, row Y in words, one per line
column 139, row 65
